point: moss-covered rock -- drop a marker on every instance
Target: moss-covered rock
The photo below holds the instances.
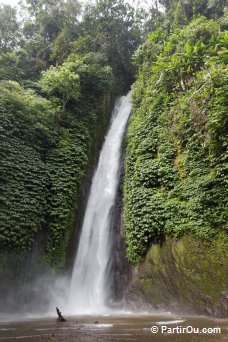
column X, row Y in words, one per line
column 186, row 274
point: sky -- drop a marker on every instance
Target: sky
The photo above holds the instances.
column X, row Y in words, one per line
column 15, row 2
column 9, row 2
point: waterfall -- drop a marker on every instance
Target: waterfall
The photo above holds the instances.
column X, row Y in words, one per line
column 89, row 282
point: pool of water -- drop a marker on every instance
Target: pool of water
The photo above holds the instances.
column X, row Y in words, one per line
column 127, row 327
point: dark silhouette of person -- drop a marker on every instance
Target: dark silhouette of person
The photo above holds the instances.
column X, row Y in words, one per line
column 60, row 317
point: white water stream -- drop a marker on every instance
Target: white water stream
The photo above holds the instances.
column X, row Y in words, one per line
column 89, row 283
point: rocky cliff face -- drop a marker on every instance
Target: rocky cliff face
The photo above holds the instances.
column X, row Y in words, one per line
column 120, row 269
column 187, row 275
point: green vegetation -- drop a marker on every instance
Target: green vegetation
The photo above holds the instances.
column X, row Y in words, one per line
column 23, row 176
column 45, row 151
column 60, row 70
column 176, row 148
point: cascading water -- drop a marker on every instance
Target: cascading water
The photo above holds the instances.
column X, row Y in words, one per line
column 89, row 283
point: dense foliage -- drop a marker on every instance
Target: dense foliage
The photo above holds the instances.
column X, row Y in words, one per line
column 45, row 150
column 24, row 130
column 60, row 69
column 176, row 148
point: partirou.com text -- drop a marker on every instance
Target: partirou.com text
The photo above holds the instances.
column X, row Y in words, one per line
column 165, row 329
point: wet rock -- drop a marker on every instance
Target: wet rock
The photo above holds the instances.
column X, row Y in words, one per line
column 221, row 309
column 120, row 270
column 186, row 275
